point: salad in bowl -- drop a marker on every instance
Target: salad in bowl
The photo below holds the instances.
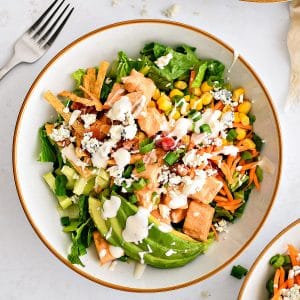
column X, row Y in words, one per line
column 152, row 156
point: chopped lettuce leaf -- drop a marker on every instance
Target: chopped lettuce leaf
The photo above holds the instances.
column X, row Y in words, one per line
column 61, row 185
column 154, row 50
column 48, row 151
column 78, row 77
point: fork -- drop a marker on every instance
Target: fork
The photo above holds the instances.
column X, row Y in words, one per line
column 35, row 42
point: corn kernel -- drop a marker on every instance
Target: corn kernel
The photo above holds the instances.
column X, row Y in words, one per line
column 196, row 91
column 152, row 104
column 237, row 117
column 164, row 103
column 180, row 84
column 205, row 87
column 199, row 104
column 226, row 108
column 224, row 142
column 185, row 139
column 206, row 98
column 187, row 98
column 196, row 103
column 237, row 94
column 244, row 107
column 241, row 133
column 176, row 115
column 156, row 94
column 244, row 119
column 249, row 144
column 176, row 92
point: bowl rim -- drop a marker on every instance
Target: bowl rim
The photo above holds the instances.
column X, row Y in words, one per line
column 23, row 202
column 263, row 252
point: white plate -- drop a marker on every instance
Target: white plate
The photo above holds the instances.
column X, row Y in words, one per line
column 104, row 43
column 254, row 286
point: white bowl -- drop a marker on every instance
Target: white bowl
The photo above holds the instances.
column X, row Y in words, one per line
column 40, row 205
column 254, row 286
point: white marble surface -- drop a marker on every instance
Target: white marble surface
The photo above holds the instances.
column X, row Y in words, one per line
column 27, row 269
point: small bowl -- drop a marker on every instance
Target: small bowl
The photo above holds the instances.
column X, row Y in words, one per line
column 254, row 286
column 39, row 204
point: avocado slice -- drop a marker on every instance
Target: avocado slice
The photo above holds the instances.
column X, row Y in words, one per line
column 185, row 249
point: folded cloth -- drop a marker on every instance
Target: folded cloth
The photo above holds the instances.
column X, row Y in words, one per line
column 293, row 41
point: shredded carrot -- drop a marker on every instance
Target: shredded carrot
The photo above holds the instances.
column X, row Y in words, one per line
column 215, row 232
column 255, row 180
column 276, row 281
column 226, row 171
column 281, row 277
column 251, row 175
column 192, row 78
column 293, row 252
column 220, row 198
column 219, row 105
column 290, row 282
column 249, row 166
column 230, row 160
column 234, row 165
column 226, row 189
column 222, row 192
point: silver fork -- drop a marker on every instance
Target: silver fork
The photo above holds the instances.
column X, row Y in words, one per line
column 34, row 43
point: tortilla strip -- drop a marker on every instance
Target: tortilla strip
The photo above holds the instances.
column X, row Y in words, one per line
column 100, row 78
column 91, row 74
column 98, row 104
column 59, row 107
column 86, row 84
column 75, row 98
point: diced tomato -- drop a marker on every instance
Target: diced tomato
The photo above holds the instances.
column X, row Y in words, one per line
column 167, row 143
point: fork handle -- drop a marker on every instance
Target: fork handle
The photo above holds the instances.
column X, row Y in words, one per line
column 9, row 65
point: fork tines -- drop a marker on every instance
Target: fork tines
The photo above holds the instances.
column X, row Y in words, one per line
column 45, row 30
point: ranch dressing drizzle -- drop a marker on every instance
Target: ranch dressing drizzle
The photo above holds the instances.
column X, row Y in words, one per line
column 136, row 228
column 111, row 207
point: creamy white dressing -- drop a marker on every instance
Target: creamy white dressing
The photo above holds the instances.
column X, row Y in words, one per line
column 194, row 185
column 69, row 153
column 229, row 150
column 115, row 132
column 178, row 200
column 74, row 116
column 111, row 207
column 88, row 120
column 122, row 157
column 164, row 211
column 116, row 251
column 235, row 58
column 163, row 227
column 139, row 107
column 129, row 131
column 139, row 270
column 182, row 127
column 170, row 252
column 136, row 228
column 120, row 109
column 102, row 253
column 108, row 234
column 164, row 60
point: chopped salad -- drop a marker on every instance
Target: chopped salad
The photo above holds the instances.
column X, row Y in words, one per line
column 285, row 282
column 152, row 157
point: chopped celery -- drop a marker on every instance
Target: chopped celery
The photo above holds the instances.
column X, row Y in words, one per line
column 89, row 186
column 102, row 179
column 79, row 186
column 71, row 175
column 64, row 201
